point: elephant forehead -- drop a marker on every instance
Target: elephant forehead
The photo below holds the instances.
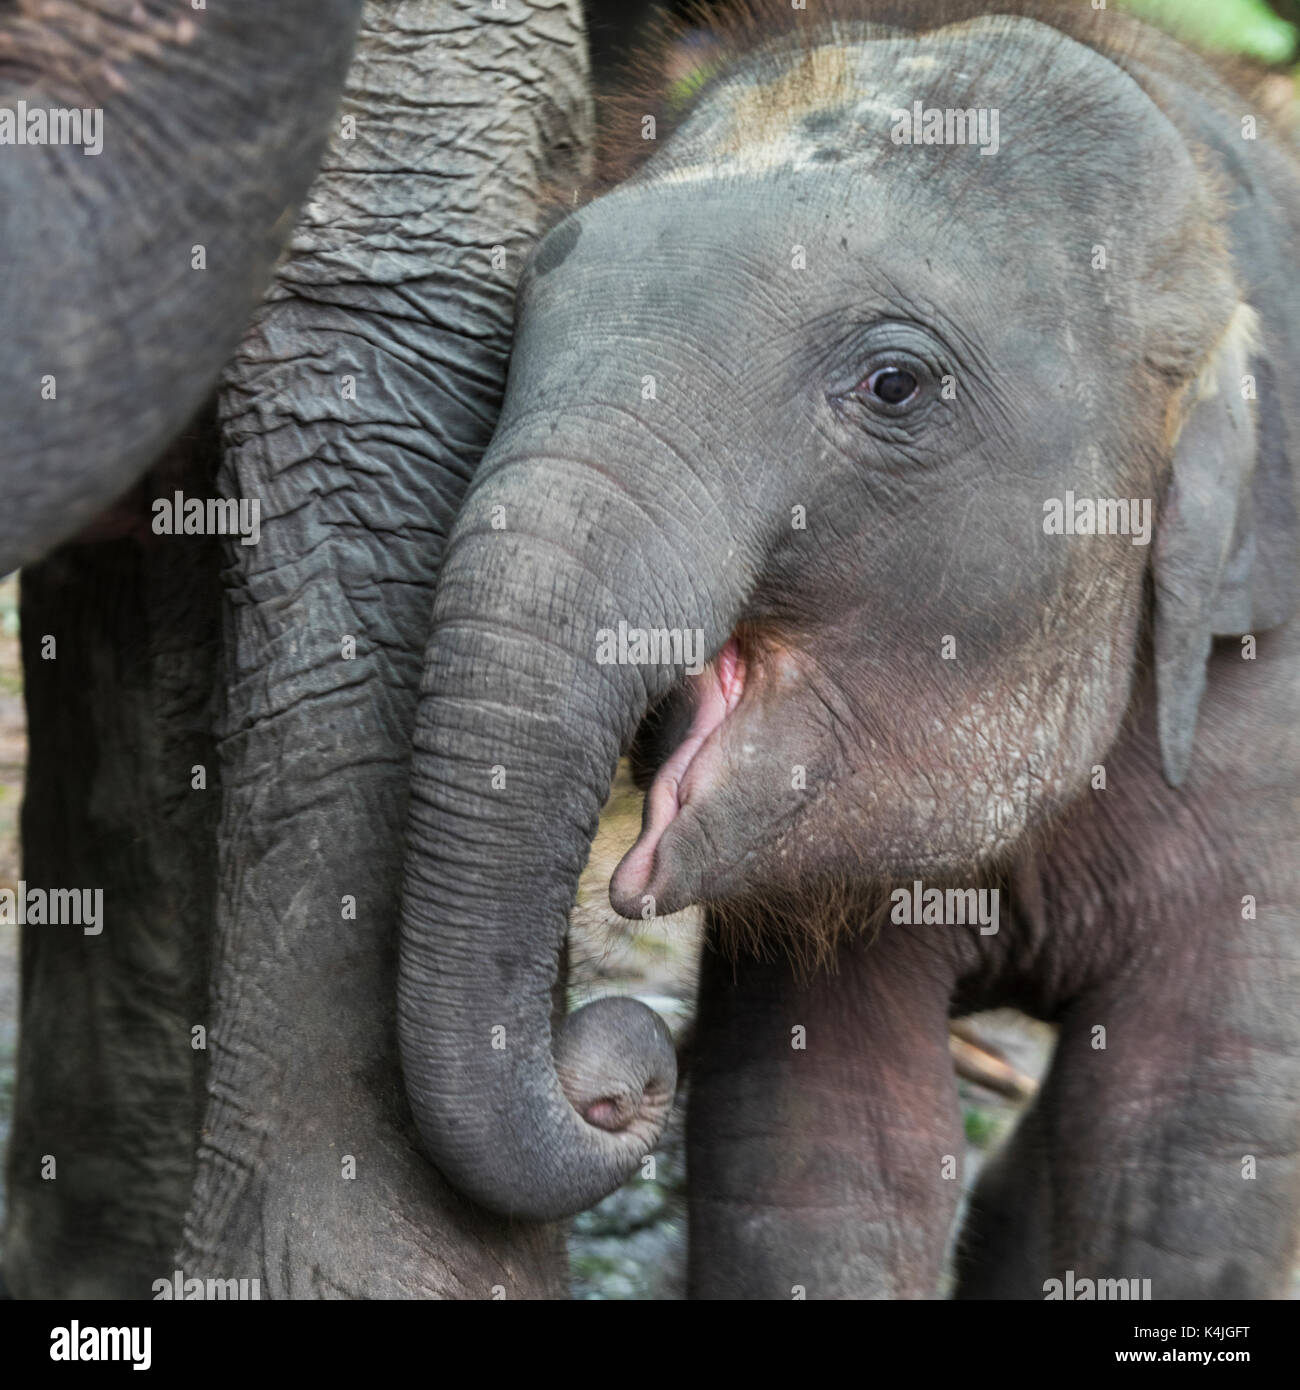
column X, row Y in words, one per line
column 724, row 261
column 844, row 103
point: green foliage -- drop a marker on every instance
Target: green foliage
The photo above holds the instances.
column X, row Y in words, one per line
column 1248, row 27
column 681, row 91
column 981, row 1127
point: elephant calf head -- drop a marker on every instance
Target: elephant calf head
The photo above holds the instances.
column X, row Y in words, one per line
column 825, row 396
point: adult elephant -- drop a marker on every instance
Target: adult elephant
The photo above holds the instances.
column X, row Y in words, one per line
column 132, row 270
column 802, row 397
column 220, row 732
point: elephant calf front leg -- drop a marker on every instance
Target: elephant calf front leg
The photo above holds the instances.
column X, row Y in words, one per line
column 824, row 1131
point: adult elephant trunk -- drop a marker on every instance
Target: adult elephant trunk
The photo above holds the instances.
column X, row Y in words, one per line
column 519, row 730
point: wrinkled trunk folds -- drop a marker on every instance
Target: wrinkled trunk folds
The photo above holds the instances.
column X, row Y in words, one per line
column 519, row 731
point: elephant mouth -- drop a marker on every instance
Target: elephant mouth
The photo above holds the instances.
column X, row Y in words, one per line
column 684, row 774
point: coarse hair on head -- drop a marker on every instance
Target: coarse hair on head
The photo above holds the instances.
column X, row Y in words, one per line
column 660, row 81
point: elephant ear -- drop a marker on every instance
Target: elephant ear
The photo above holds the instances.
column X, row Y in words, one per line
column 1224, row 559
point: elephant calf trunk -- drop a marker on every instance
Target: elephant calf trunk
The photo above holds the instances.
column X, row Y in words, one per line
column 617, row 1065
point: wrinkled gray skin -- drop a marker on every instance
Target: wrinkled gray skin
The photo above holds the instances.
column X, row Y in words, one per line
column 184, row 652
column 135, row 335
column 389, row 280
column 822, row 1168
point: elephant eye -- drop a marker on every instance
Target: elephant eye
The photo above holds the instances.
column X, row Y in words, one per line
column 896, row 368
column 892, row 385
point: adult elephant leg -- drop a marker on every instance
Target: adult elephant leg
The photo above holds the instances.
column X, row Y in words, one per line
column 120, row 655
column 356, row 411
column 824, row 1138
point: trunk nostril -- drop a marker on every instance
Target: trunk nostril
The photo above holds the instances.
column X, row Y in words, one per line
column 610, row 1112
column 616, row 1063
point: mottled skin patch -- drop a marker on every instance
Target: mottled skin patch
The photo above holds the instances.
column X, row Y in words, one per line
column 760, row 114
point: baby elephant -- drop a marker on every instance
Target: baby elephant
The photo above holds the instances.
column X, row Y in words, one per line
column 931, row 391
